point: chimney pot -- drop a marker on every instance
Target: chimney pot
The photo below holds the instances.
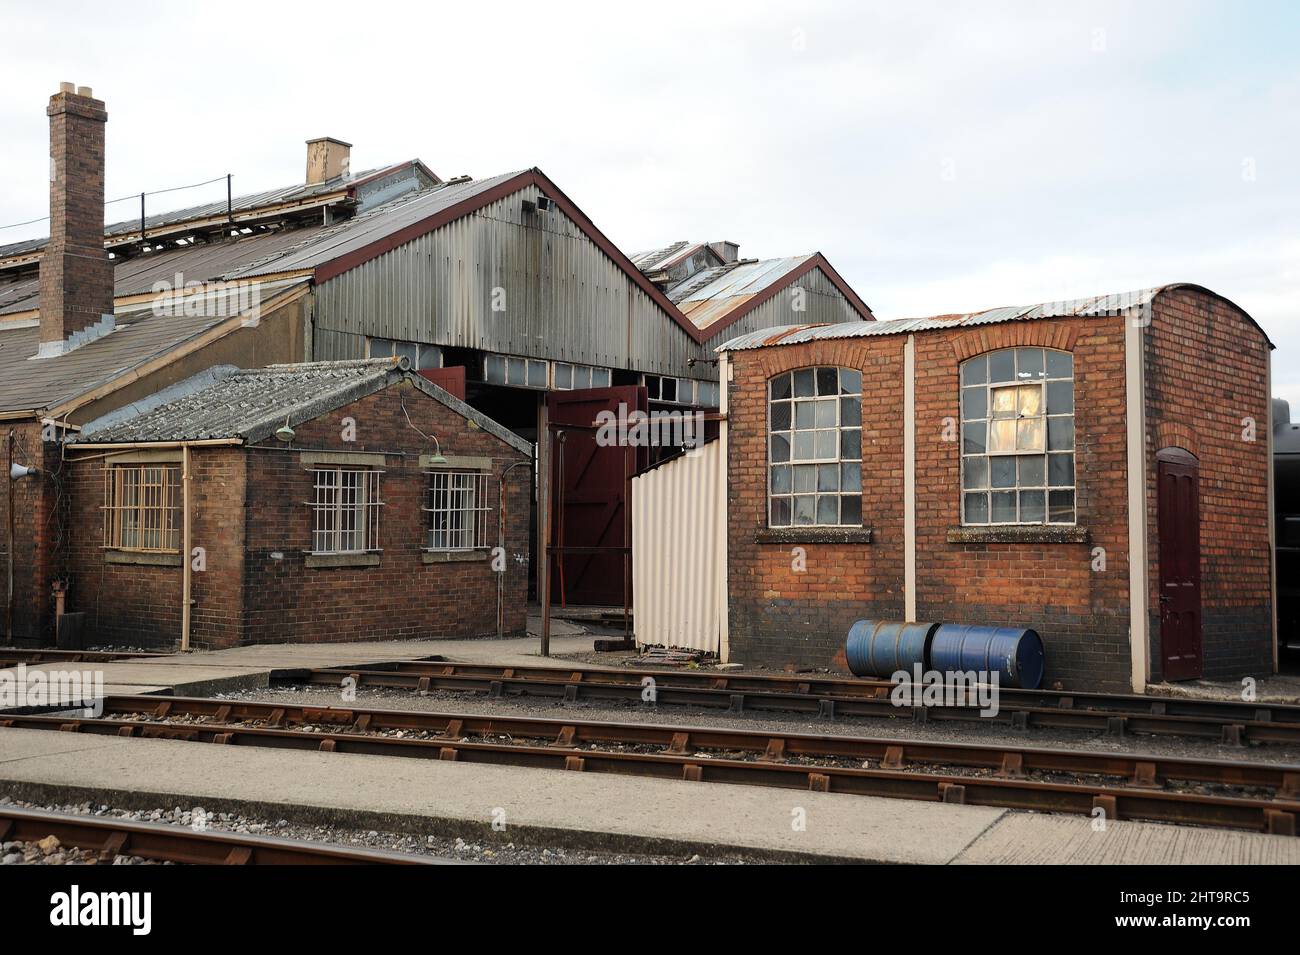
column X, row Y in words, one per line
column 327, row 158
column 85, row 91
column 67, row 87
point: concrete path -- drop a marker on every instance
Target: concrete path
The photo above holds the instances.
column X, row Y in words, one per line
column 584, row 811
column 203, row 673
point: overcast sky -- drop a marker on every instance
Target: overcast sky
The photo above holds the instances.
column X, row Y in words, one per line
column 944, row 158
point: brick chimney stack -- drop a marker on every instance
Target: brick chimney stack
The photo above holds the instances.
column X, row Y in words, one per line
column 76, row 275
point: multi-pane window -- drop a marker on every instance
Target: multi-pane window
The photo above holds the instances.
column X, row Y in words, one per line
column 515, row 372
column 569, row 377
column 142, row 507
column 815, row 448
column 458, row 510
column 345, row 510
column 420, row 356
column 1017, row 437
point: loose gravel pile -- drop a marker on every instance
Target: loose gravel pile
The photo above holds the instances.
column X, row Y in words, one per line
column 457, row 849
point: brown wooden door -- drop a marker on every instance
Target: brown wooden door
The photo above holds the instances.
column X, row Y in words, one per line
column 1180, row 564
column 589, row 489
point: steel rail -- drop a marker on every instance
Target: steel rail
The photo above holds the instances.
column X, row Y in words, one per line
column 1227, row 721
column 688, row 753
column 109, row 837
column 10, row 656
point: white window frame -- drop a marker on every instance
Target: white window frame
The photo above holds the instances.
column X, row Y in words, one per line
column 459, row 507
column 1033, row 468
column 793, row 458
column 345, row 508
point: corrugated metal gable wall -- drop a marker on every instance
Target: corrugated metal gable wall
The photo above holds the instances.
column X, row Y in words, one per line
column 822, row 301
column 564, row 298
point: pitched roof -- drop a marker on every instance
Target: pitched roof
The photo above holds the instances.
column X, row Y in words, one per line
column 1095, row 306
column 242, row 208
column 252, row 403
column 30, row 384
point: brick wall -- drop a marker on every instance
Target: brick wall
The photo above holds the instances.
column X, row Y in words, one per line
column 36, row 532
column 140, row 604
column 1207, row 382
column 402, row 597
column 248, row 504
column 1206, row 372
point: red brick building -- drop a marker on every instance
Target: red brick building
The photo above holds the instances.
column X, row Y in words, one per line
column 1097, row 470
column 326, row 501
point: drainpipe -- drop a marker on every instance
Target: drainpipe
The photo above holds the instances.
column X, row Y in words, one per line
column 9, row 481
column 186, row 571
column 909, row 479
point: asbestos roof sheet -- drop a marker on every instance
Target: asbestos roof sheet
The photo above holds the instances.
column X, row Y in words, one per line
column 1093, row 306
column 252, row 403
column 711, row 294
column 28, row 383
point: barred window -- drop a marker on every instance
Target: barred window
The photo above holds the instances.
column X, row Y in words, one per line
column 815, row 448
column 345, row 510
column 458, row 510
column 142, row 507
column 1017, row 437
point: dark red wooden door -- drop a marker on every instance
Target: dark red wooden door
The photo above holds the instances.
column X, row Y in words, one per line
column 589, row 488
column 1180, row 564
column 451, row 379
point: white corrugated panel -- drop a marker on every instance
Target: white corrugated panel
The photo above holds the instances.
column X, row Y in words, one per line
column 679, row 551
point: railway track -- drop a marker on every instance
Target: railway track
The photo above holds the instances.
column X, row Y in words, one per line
column 1254, row 796
column 12, row 656
column 110, row 837
column 829, row 697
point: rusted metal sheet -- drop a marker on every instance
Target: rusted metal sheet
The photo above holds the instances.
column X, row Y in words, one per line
column 679, row 551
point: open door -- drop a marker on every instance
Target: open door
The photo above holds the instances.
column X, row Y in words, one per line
column 1179, row 527
column 589, row 490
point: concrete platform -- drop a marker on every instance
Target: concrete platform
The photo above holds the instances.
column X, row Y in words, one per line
column 578, row 810
column 203, row 673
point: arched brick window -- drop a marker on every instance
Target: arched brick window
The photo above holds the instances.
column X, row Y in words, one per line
column 815, row 448
column 1017, row 437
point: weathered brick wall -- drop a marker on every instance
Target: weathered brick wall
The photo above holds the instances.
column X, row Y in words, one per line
column 36, row 533
column 140, row 604
column 784, row 618
column 1081, row 613
column 1207, row 382
column 780, row 616
column 402, row 597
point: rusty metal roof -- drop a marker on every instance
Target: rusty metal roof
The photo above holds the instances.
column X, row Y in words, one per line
column 711, row 294
column 1096, row 306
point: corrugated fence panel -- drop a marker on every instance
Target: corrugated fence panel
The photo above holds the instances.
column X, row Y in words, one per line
column 678, row 542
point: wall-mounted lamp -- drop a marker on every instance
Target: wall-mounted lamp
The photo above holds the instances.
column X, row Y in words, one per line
column 285, row 434
column 19, row 471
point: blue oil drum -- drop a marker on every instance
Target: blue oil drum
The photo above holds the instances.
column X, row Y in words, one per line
column 1016, row 655
column 882, row 647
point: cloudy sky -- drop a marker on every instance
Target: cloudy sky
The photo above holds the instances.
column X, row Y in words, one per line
column 945, row 158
